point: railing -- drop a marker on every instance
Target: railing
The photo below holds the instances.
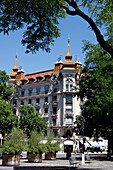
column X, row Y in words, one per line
column 37, row 104
column 54, row 102
column 32, row 94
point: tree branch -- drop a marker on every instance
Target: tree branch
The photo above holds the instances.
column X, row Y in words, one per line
column 104, row 44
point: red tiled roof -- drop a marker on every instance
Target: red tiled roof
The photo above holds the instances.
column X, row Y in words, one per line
column 36, row 75
column 48, row 73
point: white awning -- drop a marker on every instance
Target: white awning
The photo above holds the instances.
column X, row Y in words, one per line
column 68, row 142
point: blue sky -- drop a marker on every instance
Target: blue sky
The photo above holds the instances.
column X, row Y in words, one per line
column 77, row 29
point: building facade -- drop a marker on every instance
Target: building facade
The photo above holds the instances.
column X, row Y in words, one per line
column 52, row 94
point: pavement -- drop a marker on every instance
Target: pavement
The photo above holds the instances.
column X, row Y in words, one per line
column 99, row 163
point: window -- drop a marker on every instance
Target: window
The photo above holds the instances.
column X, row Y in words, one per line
column 22, row 102
column 68, row 110
column 46, row 99
column 67, row 87
column 69, row 120
column 29, row 101
column 30, row 92
column 54, row 121
column 68, row 99
column 55, row 131
column 38, row 90
column 46, row 89
column 71, row 87
column 54, row 110
column 22, row 93
column 55, row 88
column 46, row 110
column 15, row 103
column 54, row 98
column 31, row 81
column 37, row 100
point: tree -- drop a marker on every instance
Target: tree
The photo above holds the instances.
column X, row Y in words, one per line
column 31, row 120
column 7, row 119
column 5, row 89
column 96, row 87
column 41, row 19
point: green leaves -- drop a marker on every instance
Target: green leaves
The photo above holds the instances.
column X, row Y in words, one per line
column 39, row 18
column 7, row 118
column 5, row 89
column 35, row 145
column 96, row 87
column 30, row 120
column 14, row 143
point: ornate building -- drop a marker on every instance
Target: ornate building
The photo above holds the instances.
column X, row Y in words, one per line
column 52, row 93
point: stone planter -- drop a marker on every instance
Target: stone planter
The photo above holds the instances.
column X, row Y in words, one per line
column 11, row 160
column 34, row 157
column 50, row 156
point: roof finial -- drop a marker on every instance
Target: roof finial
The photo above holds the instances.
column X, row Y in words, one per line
column 16, row 54
column 68, row 55
column 15, row 68
column 68, row 40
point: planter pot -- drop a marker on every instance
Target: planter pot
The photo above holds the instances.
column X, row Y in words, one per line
column 11, row 160
column 34, row 157
column 50, row 156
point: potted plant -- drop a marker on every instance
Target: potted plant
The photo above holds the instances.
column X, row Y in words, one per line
column 35, row 147
column 52, row 147
column 14, row 144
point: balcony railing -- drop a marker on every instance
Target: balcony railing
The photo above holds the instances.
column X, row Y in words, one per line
column 37, row 104
column 54, row 103
column 46, row 104
column 46, row 114
column 31, row 94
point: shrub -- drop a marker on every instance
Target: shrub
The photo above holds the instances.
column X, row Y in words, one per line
column 35, row 145
column 14, row 143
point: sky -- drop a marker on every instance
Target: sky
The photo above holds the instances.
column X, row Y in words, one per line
column 75, row 27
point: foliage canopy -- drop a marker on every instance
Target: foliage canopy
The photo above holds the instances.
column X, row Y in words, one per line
column 40, row 19
column 31, row 120
column 14, row 143
column 7, row 118
column 96, row 86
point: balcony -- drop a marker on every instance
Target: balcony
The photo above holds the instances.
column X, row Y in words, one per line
column 46, row 104
column 54, row 103
column 54, row 115
column 37, row 105
column 46, row 114
column 29, row 94
column 69, row 113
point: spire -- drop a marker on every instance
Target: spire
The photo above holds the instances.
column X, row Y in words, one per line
column 68, row 55
column 15, row 68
